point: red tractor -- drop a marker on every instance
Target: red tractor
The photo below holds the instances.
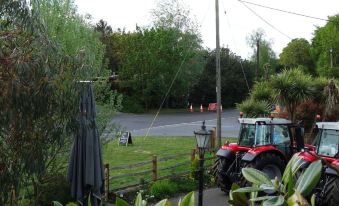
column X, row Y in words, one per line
column 327, row 147
column 265, row 144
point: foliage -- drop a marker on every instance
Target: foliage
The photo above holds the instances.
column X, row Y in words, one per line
column 262, row 91
column 253, row 108
column 163, row 189
column 174, row 14
column 298, row 53
column 38, row 68
column 188, row 200
column 57, row 188
column 267, row 57
column 105, row 96
column 233, row 83
column 285, row 192
column 291, row 88
column 152, row 58
column 73, row 34
column 325, row 44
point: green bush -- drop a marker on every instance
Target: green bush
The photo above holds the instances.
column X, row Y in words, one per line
column 163, row 189
column 56, row 189
column 194, row 169
column 132, row 105
column 186, row 184
column 253, row 108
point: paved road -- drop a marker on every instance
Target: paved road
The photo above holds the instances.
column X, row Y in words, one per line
column 177, row 124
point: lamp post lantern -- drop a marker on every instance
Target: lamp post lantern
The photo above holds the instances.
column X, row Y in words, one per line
column 203, row 139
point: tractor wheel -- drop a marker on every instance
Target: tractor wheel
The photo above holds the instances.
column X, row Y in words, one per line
column 331, row 191
column 269, row 163
column 220, row 168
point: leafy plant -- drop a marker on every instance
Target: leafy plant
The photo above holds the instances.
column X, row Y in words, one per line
column 253, row 108
column 188, row 200
column 163, row 188
column 287, row 191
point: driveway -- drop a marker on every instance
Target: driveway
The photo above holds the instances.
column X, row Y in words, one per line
column 176, row 124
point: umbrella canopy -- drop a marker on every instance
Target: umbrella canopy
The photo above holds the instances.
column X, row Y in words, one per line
column 85, row 170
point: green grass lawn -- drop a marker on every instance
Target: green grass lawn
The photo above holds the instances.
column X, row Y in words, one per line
column 143, row 149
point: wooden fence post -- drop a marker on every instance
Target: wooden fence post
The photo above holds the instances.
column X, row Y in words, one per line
column 106, row 171
column 154, row 168
column 193, row 154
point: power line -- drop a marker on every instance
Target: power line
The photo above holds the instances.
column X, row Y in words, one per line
column 289, row 12
column 255, row 13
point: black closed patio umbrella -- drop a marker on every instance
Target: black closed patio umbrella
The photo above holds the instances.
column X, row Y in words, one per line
column 85, row 170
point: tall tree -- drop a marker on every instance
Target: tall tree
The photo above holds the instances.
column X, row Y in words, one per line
column 233, row 82
column 43, row 53
column 267, row 57
column 152, row 58
column 298, row 53
column 174, row 14
column 111, row 60
column 325, row 48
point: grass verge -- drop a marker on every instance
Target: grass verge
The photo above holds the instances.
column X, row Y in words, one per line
column 143, row 149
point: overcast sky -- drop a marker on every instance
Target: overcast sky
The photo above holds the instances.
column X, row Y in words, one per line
column 237, row 23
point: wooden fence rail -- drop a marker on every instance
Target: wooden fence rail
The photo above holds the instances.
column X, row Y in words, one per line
column 154, row 171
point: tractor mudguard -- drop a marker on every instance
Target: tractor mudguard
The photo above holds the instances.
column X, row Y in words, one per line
column 229, row 154
column 254, row 152
column 248, row 157
column 331, row 171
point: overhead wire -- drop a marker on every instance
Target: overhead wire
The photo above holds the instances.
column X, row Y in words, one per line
column 264, row 20
column 173, row 80
column 233, row 39
column 289, row 12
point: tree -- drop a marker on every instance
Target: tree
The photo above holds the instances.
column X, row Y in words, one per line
column 233, row 82
column 291, row 88
column 174, row 14
column 40, row 60
column 152, row 58
column 298, row 53
column 325, row 48
column 267, row 57
column 111, row 59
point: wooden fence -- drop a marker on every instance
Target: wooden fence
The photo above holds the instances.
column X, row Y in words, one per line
column 153, row 171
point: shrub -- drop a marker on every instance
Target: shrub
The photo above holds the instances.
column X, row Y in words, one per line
column 163, row 189
column 132, row 105
column 253, row 108
column 57, row 189
column 262, row 92
column 186, row 184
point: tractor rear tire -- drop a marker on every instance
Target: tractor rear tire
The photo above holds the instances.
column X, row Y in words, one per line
column 271, row 164
column 220, row 168
column 331, row 191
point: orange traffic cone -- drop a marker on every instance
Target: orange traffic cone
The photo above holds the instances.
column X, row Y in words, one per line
column 201, row 108
column 191, row 108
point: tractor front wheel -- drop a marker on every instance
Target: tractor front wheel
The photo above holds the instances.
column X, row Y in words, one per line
column 271, row 164
column 220, row 168
column 331, row 191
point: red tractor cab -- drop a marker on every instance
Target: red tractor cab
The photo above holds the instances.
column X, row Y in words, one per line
column 265, row 144
column 326, row 145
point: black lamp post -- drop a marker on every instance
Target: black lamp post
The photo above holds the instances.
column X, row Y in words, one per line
column 203, row 138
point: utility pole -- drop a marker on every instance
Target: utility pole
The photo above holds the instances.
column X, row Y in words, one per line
column 218, row 76
column 257, row 68
column 331, row 54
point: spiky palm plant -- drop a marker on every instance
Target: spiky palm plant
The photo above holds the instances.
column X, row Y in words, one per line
column 292, row 87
